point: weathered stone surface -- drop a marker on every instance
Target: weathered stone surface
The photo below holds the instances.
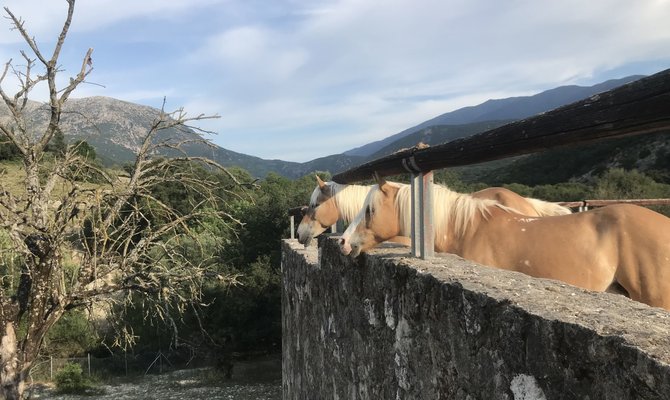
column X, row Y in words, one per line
column 386, row 326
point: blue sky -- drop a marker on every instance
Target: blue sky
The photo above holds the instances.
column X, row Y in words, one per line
column 297, row 80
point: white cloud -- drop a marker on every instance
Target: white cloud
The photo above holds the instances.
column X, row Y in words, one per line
column 44, row 18
column 253, row 60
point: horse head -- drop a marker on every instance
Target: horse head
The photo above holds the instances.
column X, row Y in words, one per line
column 378, row 219
column 320, row 214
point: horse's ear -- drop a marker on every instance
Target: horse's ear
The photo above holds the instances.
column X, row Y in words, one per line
column 321, row 183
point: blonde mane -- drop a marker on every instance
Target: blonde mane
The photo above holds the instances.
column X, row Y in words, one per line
column 547, row 208
column 451, row 210
column 348, row 199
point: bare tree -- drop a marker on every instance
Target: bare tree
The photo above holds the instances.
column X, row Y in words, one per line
column 122, row 237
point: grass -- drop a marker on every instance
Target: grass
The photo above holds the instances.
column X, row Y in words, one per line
column 12, row 177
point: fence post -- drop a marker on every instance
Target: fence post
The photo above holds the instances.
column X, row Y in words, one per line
column 89, row 364
column 423, row 236
column 427, row 232
column 414, row 204
column 292, row 218
column 51, row 368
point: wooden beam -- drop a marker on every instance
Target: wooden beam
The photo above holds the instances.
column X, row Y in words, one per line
column 636, row 108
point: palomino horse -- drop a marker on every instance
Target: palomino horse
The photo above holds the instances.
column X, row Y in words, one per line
column 523, row 205
column 331, row 201
column 606, row 249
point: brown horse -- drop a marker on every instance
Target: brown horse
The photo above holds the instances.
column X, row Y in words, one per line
column 331, row 201
column 607, row 249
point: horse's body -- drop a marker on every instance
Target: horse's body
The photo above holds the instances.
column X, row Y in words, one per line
column 619, row 246
column 331, row 201
column 524, row 205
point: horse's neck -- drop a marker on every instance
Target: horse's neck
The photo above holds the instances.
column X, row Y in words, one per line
column 349, row 200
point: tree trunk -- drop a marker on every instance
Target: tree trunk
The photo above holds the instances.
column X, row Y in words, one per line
column 10, row 376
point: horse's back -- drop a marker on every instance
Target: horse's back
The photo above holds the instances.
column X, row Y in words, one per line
column 507, row 198
column 524, row 205
column 631, row 215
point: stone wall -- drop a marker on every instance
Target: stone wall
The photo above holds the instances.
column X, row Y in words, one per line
column 385, row 326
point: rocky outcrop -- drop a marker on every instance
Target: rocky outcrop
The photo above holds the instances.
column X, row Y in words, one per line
column 386, row 326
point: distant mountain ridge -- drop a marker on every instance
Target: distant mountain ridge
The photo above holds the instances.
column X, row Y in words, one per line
column 509, row 109
column 115, row 128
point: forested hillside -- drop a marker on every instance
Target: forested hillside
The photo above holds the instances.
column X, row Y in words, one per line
column 646, row 153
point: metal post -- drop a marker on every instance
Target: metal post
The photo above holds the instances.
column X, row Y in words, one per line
column 427, row 232
column 51, row 367
column 89, row 364
column 340, row 226
column 423, row 240
column 414, row 204
column 292, row 218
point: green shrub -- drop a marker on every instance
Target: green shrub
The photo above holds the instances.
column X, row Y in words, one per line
column 618, row 183
column 70, row 379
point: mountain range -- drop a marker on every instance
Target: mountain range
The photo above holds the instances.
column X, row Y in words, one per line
column 114, row 128
column 488, row 115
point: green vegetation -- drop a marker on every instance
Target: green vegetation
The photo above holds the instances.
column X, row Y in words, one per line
column 8, row 151
column 647, row 153
column 227, row 321
column 241, row 240
column 72, row 336
column 71, row 380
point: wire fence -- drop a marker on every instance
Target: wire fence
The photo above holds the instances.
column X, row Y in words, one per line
column 46, row 368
